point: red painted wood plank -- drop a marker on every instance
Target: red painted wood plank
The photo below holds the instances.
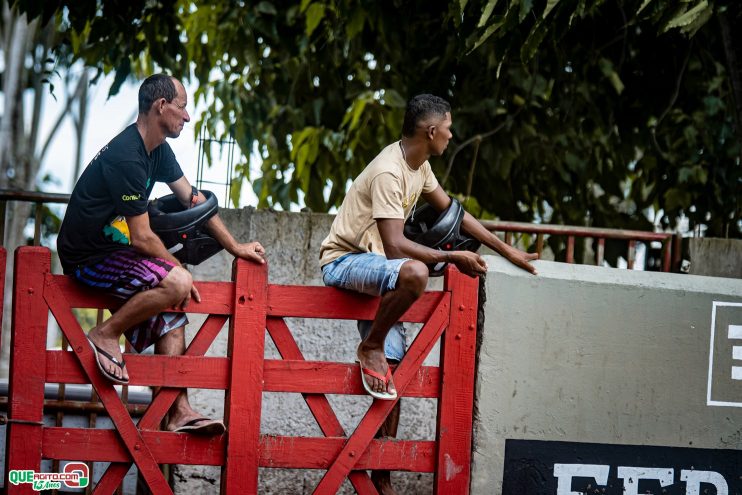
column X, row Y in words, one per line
column 244, row 397
column 28, row 334
column 293, row 376
column 276, row 451
column 3, row 266
column 318, row 404
column 216, row 297
column 331, row 303
column 379, row 409
column 319, row 377
column 318, row 453
column 455, row 408
column 163, row 400
column 148, row 468
column 152, row 370
column 88, row 444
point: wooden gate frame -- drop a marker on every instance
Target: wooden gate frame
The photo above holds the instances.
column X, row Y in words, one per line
column 251, row 305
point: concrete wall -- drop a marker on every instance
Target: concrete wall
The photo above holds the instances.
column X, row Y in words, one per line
column 292, row 242
column 715, row 257
column 599, row 355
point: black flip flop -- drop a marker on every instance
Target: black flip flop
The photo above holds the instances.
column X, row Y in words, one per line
column 212, row 427
column 97, row 350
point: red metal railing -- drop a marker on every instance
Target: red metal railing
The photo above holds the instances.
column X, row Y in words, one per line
column 669, row 241
column 251, row 305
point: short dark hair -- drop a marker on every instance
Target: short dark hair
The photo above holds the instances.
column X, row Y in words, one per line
column 155, row 87
column 421, row 107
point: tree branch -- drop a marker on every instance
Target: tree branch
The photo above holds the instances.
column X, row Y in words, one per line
column 673, row 99
column 733, row 69
column 68, row 104
column 470, row 179
column 478, row 139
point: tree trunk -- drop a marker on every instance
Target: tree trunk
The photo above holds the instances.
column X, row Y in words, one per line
column 732, row 42
column 21, row 153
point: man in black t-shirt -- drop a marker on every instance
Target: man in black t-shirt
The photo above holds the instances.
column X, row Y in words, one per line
column 106, row 242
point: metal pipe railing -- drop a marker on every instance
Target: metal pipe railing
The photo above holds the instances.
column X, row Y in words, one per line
column 669, row 240
column 37, row 198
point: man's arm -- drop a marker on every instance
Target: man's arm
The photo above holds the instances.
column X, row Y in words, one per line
column 146, row 242
column 396, row 246
column 250, row 251
column 439, row 200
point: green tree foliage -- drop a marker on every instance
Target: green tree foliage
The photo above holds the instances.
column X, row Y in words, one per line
column 583, row 112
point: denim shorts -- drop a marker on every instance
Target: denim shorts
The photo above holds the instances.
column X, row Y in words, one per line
column 375, row 275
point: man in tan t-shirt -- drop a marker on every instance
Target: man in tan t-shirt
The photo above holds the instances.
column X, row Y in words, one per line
column 366, row 249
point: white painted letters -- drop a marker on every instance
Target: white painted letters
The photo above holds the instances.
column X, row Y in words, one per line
column 693, row 480
column 632, row 475
column 565, row 472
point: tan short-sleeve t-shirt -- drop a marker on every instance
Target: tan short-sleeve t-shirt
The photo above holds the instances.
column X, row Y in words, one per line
column 387, row 188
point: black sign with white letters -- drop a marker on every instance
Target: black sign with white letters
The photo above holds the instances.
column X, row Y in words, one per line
column 565, row 468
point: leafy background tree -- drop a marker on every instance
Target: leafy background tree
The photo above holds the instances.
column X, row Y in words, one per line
column 577, row 112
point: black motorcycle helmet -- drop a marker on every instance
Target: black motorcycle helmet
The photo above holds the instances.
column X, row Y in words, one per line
column 439, row 231
column 183, row 231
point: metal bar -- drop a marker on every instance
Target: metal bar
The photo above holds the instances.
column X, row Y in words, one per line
column 38, row 210
column 632, row 254
column 199, row 160
column 601, row 251
column 508, row 238
column 536, row 228
column 35, row 196
column 59, row 419
column 677, row 247
column 3, row 208
column 230, row 162
column 570, row 249
column 540, row 244
column 79, row 407
column 667, row 255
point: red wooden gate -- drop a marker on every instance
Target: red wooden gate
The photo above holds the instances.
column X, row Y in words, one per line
column 251, row 305
column 3, row 264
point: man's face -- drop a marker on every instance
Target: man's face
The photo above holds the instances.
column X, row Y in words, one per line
column 440, row 134
column 174, row 114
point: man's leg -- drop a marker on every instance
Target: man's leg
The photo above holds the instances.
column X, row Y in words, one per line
column 411, row 283
column 143, row 305
column 382, row 479
column 181, row 412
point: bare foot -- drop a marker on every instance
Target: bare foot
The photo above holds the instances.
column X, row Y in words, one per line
column 111, row 346
column 382, row 480
column 374, row 359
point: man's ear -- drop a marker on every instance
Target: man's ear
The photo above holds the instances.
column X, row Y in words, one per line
column 431, row 132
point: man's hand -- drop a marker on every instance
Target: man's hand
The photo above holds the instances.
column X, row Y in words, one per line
column 469, row 263
column 521, row 259
column 193, row 294
column 251, row 251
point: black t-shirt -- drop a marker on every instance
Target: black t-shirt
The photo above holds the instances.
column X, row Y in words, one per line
column 115, row 185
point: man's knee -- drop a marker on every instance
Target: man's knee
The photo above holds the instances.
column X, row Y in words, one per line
column 413, row 276
column 178, row 282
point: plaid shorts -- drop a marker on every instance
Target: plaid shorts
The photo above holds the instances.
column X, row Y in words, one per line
column 125, row 273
